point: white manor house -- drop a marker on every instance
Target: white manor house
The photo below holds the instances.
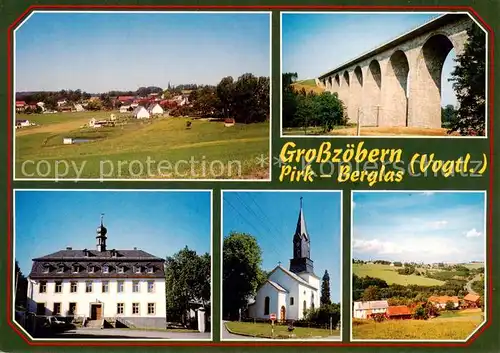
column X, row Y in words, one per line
column 118, row 286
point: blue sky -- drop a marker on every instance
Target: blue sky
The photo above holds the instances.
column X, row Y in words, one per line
column 420, row 226
column 160, row 223
column 272, row 217
column 312, row 44
column 124, row 51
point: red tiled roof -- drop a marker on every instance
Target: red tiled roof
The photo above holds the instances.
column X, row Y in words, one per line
column 398, row 310
column 443, row 299
column 472, row 297
column 125, row 98
column 22, row 103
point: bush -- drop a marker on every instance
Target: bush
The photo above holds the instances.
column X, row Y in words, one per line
column 322, row 315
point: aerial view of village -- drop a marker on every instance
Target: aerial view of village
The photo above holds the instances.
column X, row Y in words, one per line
column 281, row 266
column 418, row 266
column 141, row 269
column 412, row 74
column 97, row 96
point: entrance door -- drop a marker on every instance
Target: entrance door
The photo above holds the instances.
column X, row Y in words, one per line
column 96, row 312
column 283, row 313
column 40, row 308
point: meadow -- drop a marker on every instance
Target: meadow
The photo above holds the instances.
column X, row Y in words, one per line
column 457, row 325
column 390, row 275
column 263, row 330
column 205, row 150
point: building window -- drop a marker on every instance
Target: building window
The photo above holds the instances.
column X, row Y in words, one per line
column 88, row 287
column 135, row 286
column 105, row 269
column 135, row 308
column 60, row 269
column 43, row 287
column 120, row 308
column 73, row 287
column 91, row 269
column 291, row 300
column 58, row 286
column 151, row 308
column 121, row 269
column 266, row 306
column 76, row 269
column 105, row 287
column 57, row 309
column 137, row 269
column 312, row 301
column 46, row 269
column 40, row 308
column 304, row 309
column 150, row 269
column 119, row 287
column 151, row 287
column 72, row 309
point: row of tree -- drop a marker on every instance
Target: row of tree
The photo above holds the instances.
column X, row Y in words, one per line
column 304, row 109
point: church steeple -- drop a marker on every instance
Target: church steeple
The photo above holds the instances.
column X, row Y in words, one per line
column 101, row 236
column 301, row 261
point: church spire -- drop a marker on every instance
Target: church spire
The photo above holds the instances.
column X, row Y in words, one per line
column 101, row 236
column 301, row 261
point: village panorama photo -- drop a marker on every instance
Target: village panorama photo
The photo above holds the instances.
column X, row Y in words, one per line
column 418, row 265
column 281, row 265
column 142, row 95
column 112, row 265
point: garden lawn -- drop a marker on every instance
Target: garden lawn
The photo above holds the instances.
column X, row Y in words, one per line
column 280, row 331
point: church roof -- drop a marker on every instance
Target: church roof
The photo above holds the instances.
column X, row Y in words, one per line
column 301, row 224
column 277, row 286
column 294, row 276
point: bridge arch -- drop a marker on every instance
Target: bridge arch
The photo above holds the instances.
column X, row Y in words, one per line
column 345, row 88
column 427, row 85
column 372, row 94
column 395, row 90
column 356, row 92
column 329, row 84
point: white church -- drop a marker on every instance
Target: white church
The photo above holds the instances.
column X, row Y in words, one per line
column 288, row 293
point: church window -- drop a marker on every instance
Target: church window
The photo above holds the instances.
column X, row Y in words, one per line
column 304, row 306
column 266, row 306
column 291, row 300
column 312, row 300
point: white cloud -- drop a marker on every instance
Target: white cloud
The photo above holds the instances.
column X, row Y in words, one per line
column 473, row 233
column 376, row 246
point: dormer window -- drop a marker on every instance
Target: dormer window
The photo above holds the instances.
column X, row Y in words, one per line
column 121, row 269
column 114, row 253
column 91, row 269
column 76, row 268
column 46, row 269
column 151, row 269
column 137, row 269
column 86, row 253
column 105, row 269
column 60, row 269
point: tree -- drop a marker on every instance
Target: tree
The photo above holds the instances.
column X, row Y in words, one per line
column 242, row 275
column 469, row 83
column 449, row 305
column 21, row 284
column 249, row 99
column 225, row 90
column 187, row 279
column 448, row 115
column 371, row 293
column 325, row 290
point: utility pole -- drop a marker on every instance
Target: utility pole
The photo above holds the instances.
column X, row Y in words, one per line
column 359, row 123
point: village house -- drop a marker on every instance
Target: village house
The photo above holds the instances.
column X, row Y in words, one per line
column 22, row 123
column 471, row 301
column 125, row 108
column 364, row 310
column 398, row 312
column 116, row 286
column 141, row 113
column 440, row 301
column 155, row 109
column 20, row 106
column 289, row 293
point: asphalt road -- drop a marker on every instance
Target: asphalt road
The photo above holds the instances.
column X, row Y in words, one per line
column 133, row 334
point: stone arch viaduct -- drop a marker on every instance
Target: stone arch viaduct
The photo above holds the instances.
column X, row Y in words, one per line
column 399, row 83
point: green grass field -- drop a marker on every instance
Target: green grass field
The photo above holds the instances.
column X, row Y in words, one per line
column 456, row 326
column 389, row 274
column 157, row 148
column 308, row 82
column 263, row 330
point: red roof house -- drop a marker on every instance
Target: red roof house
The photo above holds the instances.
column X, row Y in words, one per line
column 399, row 312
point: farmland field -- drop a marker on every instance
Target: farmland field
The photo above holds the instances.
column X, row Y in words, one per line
column 457, row 326
column 389, row 274
column 156, row 148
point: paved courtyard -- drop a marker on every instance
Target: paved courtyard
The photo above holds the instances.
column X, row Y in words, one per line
column 133, row 334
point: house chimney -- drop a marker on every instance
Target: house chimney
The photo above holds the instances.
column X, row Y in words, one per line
column 69, row 248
